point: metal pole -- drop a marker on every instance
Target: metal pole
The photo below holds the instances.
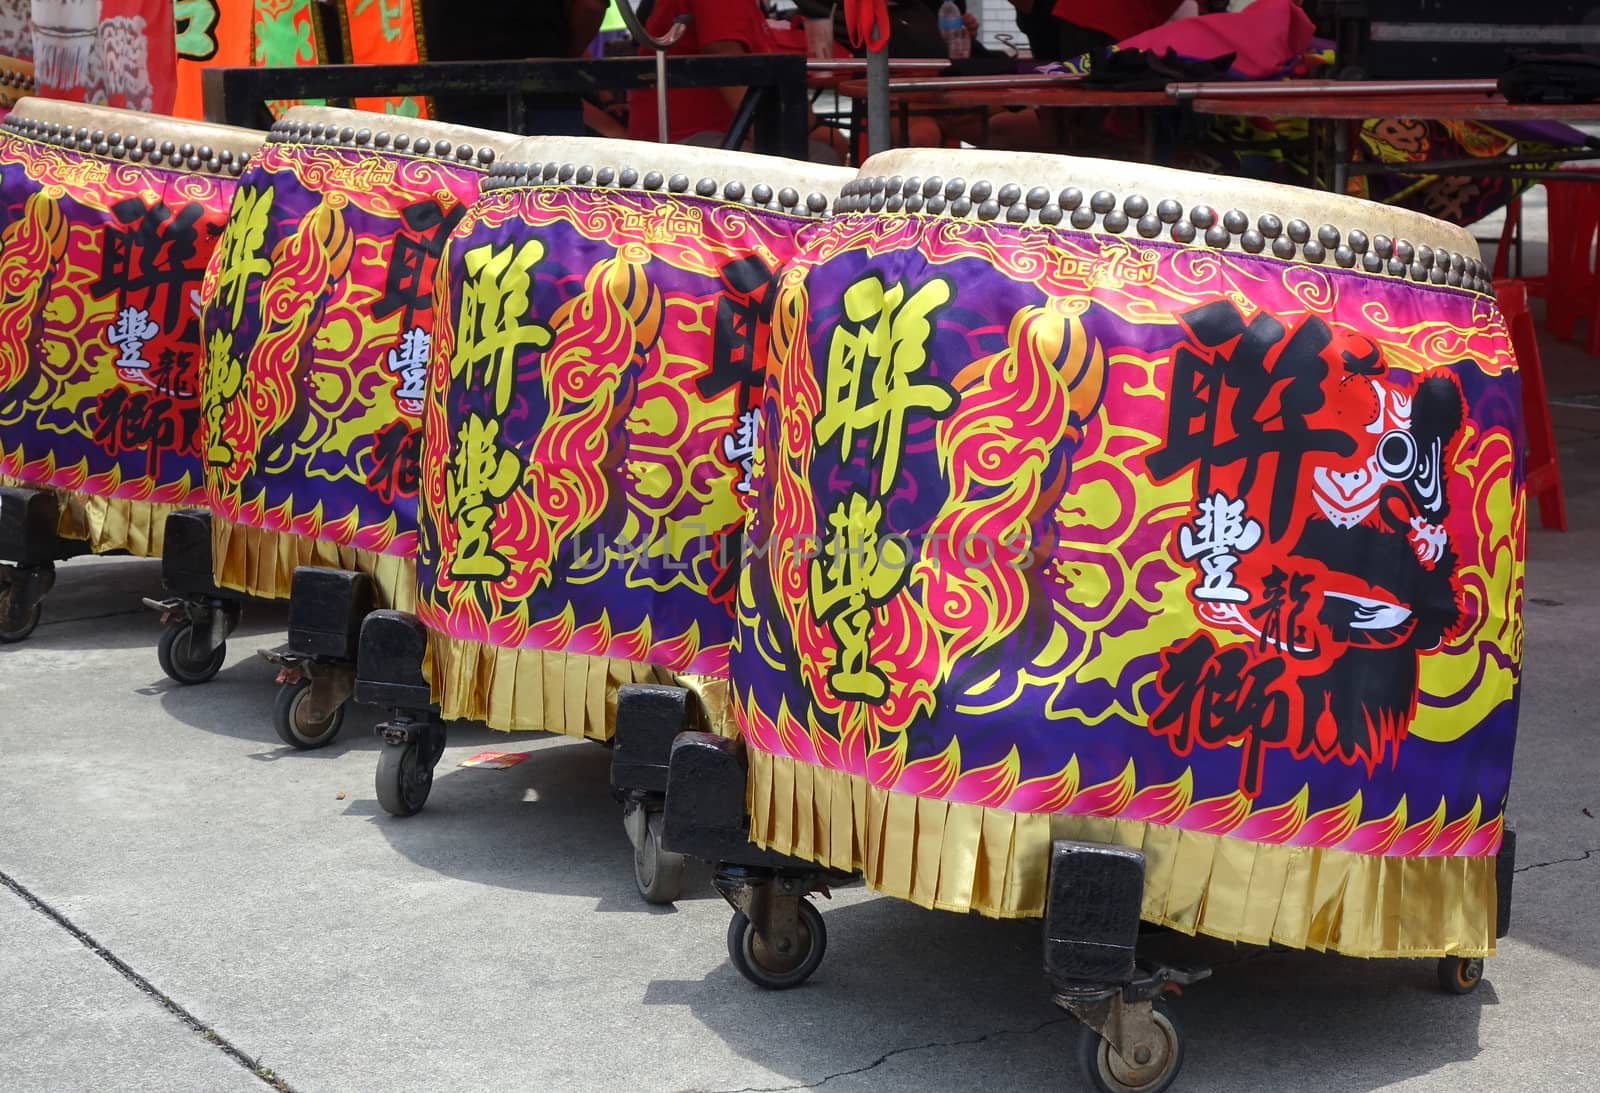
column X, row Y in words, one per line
column 661, row 96
column 1297, row 88
column 1341, row 156
column 878, row 136
column 660, row 45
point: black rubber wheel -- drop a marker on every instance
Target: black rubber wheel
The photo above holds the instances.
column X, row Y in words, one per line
column 657, row 871
column 14, row 628
column 404, row 779
column 1109, row 1072
column 772, row 970
column 293, row 724
column 181, row 662
column 1460, row 975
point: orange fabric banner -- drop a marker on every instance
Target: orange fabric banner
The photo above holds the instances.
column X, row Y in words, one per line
column 210, row 33
column 386, row 32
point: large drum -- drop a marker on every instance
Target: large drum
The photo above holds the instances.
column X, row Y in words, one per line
column 589, row 438
column 319, row 331
column 1139, row 507
column 107, row 219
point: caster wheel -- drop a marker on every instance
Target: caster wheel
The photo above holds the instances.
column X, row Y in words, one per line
column 182, row 662
column 290, row 717
column 768, row 968
column 1109, row 1072
column 657, row 871
column 17, row 627
column 404, row 779
column 1460, row 975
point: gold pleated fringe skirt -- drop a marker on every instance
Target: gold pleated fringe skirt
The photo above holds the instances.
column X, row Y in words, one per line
column 108, row 524
column 114, row 523
column 537, row 690
column 261, row 563
column 960, row 857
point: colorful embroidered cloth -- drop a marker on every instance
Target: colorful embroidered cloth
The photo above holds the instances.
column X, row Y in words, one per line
column 589, row 427
column 1070, row 525
column 319, row 328
column 238, row 34
column 101, row 259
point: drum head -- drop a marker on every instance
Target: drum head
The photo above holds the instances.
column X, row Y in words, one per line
column 80, row 122
column 691, row 166
column 1114, row 196
column 362, row 128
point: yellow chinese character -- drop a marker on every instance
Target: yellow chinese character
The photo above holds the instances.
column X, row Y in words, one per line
column 482, row 472
column 241, row 244
column 224, row 381
column 856, row 572
column 491, row 323
column 873, row 359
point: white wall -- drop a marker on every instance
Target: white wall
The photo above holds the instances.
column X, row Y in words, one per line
column 997, row 16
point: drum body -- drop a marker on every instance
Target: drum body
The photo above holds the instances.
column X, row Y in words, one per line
column 588, row 441
column 1139, row 507
column 319, row 326
column 107, row 220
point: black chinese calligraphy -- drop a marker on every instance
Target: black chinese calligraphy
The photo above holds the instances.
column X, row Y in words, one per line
column 145, row 421
column 149, row 260
column 395, row 461
column 1322, row 484
column 408, row 282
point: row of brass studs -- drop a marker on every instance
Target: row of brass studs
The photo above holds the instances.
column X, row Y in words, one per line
column 759, row 195
column 293, row 132
column 130, row 146
column 1293, row 239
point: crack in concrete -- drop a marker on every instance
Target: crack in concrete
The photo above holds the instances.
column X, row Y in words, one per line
column 1587, row 854
column 207, row 1033
column 48, row 622
column 886, row 1056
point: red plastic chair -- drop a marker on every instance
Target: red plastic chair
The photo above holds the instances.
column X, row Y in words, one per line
column 1541, row 471
column 1571, row 285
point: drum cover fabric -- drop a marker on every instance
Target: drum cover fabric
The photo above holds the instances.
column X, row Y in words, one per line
column 101, row 258
column 319, row 325
column 1127, row 534
column 588, row 444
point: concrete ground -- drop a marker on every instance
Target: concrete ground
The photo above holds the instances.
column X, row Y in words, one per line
column 187, row 905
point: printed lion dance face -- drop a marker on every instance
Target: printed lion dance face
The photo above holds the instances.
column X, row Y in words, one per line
column 1318, row 538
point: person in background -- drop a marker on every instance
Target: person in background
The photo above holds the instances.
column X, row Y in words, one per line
column 481, row 30
column 1037, row 21
column 703, row 115
column 1087, row 25
column 698, row 115
column 914, row 29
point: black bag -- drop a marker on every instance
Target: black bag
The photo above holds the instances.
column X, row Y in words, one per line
column 1143, row 70
column 1552, row 78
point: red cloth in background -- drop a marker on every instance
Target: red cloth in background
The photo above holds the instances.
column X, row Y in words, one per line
column 1118, row 18
column 1264, row 37
column 692, row 110
column 127, row 57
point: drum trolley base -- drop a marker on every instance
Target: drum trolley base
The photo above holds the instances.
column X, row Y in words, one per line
column 317, row 667
column 388, row 673
column 198, row 617
column 683, row 794
column 654, row 716
column 29, row 549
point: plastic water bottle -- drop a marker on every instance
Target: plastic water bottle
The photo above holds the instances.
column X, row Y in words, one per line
column 954, row 31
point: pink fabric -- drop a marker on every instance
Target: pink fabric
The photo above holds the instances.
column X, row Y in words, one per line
column 1266, row 36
